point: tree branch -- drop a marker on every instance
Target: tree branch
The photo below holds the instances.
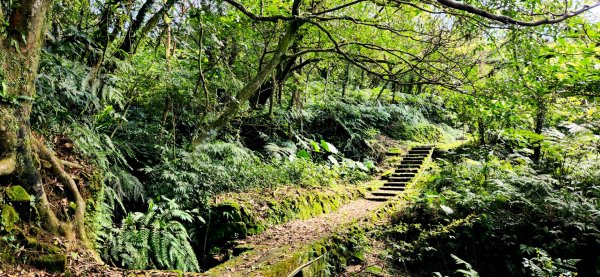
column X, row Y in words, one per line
column 509, row 20
column 255, row 17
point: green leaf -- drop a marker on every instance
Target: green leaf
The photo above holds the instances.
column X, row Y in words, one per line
column 303, row 154
column 329, row 147
column 315, row 146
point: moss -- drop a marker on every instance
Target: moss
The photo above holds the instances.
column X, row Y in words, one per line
column 339, row 250
column 9, row 217
column 396, row 151
column 32, row 242
column 245, row 214
column 17, row 194
column 51, row 262
column 426, row 133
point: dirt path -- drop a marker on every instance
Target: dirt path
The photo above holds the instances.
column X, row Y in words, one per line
column 301, row 232
column 281, row 242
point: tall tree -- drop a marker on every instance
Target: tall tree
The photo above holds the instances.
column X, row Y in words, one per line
column 21, row 41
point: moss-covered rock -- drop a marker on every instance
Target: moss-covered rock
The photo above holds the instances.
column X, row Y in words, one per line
column 18, row 197
column 17, row 194
column 9, row 217
column 33, row 244
column 51, row 262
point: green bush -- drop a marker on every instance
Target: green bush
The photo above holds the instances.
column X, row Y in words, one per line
column 192, row 177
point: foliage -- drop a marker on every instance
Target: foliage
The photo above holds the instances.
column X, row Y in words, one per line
column 498, row 201
column 155, row 239
column 467, row 272
column 354, row 80
column 543, row 265
column 354, row 127
column 192, row 177
column 426, row 133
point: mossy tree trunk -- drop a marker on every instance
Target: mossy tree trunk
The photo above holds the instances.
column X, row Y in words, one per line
column 21, row 42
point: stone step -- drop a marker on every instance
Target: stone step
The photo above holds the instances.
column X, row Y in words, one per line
column 392, row 188
column 406, row 169
column 421, row 148
column 400, row 179
column 378, row 199
column 414, row 157
column 419, row 156
column 419, row 151
column 411, row 164
column 384, row 194
column 395, row 184
column 404, row 174
column 411, row 161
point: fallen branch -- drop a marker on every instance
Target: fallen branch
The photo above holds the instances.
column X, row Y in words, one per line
column 305, row 265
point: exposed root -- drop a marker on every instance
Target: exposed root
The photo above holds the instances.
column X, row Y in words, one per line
column 66, row 179
column 71, row 164
column 8, row 165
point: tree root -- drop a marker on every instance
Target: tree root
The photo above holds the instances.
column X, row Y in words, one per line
column 8, row 165
column 64, row 177
column 70, row 164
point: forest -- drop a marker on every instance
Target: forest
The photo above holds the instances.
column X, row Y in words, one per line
column 300, row 138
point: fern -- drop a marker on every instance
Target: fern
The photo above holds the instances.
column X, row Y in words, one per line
column 468, row 271
column 155, row 239
column 543, row 265
column 277, row 152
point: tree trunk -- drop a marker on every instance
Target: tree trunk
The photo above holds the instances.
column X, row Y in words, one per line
column 20, row 50
column 346, row 80
column 540, row 121
column 19, row 59
column 481, row 130
column 232, row 107
column 381, row 91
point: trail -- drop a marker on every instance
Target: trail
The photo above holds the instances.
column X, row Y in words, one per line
column 281, row 242
column 300, row 232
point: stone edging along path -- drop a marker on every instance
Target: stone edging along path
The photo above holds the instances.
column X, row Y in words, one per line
column 298, row 246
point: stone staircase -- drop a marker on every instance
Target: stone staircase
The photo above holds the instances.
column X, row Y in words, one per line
column 406, row 173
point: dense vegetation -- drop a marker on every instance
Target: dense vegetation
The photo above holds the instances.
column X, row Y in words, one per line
column 122, row 121
column 504, row 215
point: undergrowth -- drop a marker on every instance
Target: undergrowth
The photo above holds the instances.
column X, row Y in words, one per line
column 504, row 214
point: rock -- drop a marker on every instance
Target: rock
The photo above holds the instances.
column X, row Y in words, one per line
column 51, row 262
column 20, row 200
column 17, row 194
column 9, row 217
